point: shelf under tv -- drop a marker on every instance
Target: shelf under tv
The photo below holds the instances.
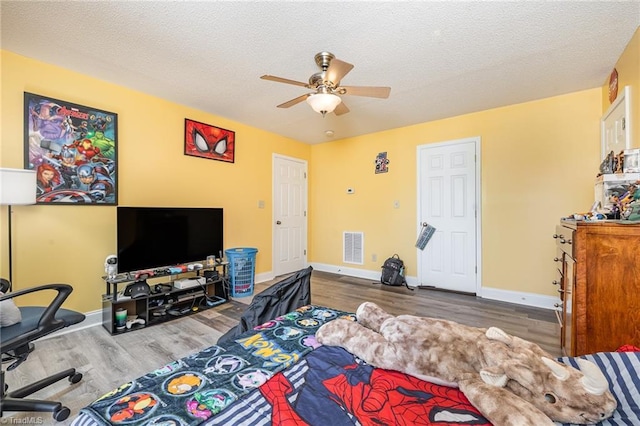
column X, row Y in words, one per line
column 164, row 301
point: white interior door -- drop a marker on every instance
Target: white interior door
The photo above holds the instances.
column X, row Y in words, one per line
column 289, row 214
column 448, row 199
column 616, row 126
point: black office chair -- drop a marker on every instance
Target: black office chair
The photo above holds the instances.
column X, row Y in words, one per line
column 16, row 345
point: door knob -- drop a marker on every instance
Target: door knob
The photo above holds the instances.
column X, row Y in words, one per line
column 278, row 222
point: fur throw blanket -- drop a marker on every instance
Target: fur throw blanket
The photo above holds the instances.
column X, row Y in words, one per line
column 509, row 380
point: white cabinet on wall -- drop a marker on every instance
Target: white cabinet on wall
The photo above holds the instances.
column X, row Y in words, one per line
column 615, row 125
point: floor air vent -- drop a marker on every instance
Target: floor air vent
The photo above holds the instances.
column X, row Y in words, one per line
column 352, row 247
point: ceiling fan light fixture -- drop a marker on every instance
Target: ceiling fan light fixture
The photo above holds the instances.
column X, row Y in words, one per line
column 323, row 102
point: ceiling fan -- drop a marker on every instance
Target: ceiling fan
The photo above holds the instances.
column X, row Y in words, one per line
column 326, row 86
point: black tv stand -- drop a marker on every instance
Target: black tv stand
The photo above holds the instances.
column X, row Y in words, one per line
column 164, row 301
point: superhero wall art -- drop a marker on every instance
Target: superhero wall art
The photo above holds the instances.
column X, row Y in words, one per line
column 73, row 149
column 206, row 141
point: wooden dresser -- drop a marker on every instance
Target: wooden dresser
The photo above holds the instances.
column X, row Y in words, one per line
column 598, row 278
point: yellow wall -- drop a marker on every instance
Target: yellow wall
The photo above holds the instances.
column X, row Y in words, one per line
column 53, row 243
column 539, row 161
column 628, row 67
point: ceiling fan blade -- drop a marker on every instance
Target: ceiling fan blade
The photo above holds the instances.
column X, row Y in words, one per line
column 284, row 80
column 370, row 91
column 337, row 70
column 341, row 109
column 294, row 101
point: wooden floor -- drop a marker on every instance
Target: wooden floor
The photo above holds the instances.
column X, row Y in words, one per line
column 107, row 361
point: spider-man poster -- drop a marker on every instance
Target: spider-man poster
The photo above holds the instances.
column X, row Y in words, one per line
column 73, row 149
column 206, row 141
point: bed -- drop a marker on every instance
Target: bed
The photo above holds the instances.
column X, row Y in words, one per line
column 277, row 374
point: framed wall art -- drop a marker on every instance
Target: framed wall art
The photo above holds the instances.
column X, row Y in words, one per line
column 207, row 141
column 73, row 149
column 382, row 163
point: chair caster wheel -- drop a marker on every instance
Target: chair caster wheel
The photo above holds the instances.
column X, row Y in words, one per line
column 61, row 414
column 75, row 378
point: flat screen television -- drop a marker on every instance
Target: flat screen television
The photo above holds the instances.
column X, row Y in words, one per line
column 153, row 237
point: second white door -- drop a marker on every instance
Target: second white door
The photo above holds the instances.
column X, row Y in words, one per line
column 447, row 197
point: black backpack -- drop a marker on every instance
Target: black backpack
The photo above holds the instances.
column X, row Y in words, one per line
column 393, row 272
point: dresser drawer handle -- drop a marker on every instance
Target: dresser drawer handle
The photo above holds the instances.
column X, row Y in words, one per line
column 563, row 241
column 558, row 236
column 557, row 305
column 555, row 282
column 560, row 291
column 557, row 259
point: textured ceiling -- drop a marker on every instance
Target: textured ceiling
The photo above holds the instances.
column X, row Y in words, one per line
column 441, row 59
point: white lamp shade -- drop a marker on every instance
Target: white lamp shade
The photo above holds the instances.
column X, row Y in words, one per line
column 17, row 186
column 323, row 102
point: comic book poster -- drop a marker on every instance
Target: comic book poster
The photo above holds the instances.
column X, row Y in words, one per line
column 73, row 149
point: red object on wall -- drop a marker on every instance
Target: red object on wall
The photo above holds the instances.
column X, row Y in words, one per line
column 206, row 141
column 613, row 85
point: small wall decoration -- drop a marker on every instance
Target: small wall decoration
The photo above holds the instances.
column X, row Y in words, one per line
column 73, row 149
column 381, row 163
column 207, row 141
column 613, row 85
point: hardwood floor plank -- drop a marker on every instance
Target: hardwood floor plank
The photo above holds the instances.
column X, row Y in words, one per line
column 108, row 361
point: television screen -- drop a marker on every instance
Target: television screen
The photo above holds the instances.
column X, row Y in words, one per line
column 152, row 237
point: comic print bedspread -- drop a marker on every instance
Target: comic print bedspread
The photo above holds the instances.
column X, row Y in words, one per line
column 277, row 374
column 332, row 387
column 197, row 387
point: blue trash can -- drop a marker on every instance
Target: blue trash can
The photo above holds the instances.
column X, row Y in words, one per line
column 242, row 267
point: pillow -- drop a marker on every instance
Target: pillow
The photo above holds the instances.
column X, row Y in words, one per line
column 9, row 313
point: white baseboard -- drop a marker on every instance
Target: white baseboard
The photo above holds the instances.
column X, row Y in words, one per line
column 92, row 319
column 517, row 297
column 520, row 297
column 265, row 276
column 352, row 272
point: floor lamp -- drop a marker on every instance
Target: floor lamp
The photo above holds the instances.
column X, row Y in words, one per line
column 17, row 187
